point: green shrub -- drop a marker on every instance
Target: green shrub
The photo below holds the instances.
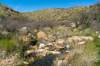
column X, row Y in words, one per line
column 97, row 43
column 7, row 44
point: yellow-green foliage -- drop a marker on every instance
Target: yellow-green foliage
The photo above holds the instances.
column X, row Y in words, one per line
column 2, row 13
column 97, row 43
column 57, row 14
column 7, row 43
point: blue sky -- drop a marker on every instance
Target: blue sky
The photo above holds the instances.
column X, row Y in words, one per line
column 31, row 5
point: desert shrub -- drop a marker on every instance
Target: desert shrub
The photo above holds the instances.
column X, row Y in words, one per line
column 7, row 44
column 97, row 63
column 97, row 43
column 88, row 32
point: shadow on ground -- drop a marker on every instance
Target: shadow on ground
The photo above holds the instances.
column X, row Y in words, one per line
column 45, row 61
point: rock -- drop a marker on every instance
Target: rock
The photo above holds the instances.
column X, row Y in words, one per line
column 99, row 36
column 26, row 37
column 42, row 45
column 29, row 52
column 67, row 51
column 73, row 25
column 26, row 63
column 81, row 43
column 67, row 46
column 42, row 35
column 41, row 52
column 60, row 43
column 5, row 33
column 97, row 32
column 49, row 44
column 59, row 62
column 23, row 29
column 79, row 39
column 54, row 52
column 23, row 36
column 82, row 37
column 87, row 38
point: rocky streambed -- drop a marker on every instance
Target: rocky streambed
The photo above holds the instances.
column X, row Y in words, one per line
column 52, row 47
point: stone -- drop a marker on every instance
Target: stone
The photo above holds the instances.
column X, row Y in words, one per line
column 99, row 36
column 60, row 41
column 26, row 37
column 26, row 63
column 29, row 52
column 87, row 38
column 54, row 52
column 49, row 44
column 73, row 25
column 23, row 30
column 97, row 32
column 81, row 43
column 42, row 35
column 5, row 33
column 42, row 45
column 67, row 46
column 59, row 63
column 67, row 51
column 79, row 39
column 41, row 52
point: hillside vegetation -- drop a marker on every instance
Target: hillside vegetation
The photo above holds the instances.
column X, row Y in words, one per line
column 53, row 17
column 50, row 37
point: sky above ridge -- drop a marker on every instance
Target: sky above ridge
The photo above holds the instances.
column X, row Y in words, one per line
column 32, row 5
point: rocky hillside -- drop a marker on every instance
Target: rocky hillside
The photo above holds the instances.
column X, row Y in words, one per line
column 51, row 17
column 79, row 16
column 51, row 37
column 11, row 19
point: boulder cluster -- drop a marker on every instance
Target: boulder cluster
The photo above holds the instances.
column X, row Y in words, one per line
column 41, row 45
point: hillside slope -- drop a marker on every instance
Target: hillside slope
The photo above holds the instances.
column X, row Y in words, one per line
column 51, row 17
column 11, row 19
column 58, row 37
column 78, row 15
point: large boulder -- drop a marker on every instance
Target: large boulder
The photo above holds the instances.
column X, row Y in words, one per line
column 23, row 30
column 25, row 36
column 79, row 40
column 42, row 35
column 60, row 43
